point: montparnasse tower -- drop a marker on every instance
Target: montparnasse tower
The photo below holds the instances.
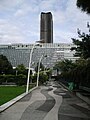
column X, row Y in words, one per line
column 46, row 27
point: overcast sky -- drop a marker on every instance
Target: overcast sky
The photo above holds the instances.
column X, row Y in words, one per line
column 20, row 20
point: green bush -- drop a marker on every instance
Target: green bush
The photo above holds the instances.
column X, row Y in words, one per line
column 79, row 75
column 34, row 78
column 18, row 80
column 21, row 79
column 42, row 78
column 7, row 79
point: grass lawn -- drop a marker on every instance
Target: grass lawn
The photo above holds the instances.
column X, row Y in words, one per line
column 9, row 92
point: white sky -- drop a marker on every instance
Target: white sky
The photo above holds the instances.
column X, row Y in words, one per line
column 20, row 20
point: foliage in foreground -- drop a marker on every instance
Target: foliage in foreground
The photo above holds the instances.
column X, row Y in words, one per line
column 5, row 65
column 42, row 78
column 79, row 73
column 18, row 80
column 82, row 44
column 84, row 5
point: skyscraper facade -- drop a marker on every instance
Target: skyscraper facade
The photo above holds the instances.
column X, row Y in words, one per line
column 46, row 28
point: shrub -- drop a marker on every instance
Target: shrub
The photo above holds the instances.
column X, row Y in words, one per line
column 18, row 80
column 21, row 79
column 42, row 78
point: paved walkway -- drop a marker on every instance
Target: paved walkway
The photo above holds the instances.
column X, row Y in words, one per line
column 51, row 102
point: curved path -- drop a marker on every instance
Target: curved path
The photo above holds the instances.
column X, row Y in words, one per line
column 51, row 102
column 41, row 104
column 53, row 114
column 44, row 109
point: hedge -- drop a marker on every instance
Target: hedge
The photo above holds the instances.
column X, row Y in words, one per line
column 18, row 80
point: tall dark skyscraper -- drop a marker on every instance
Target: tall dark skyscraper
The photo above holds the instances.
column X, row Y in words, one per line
column 46, row 28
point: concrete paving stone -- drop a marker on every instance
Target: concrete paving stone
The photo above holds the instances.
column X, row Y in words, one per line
column 36, row 115
column 35, row 111
column 71, row 110
column 26, row 98
column 84, row 98
column 31, row 113
column 82, row 109
column 47, row 106
column 45, row 93
column 66, row 96
column 67, row 117
column 58, row 90
column 53, row 113
column 62, row 93
column 49, row 103
column 67, row 109
column 74, row 100
column 16, row 111
column 84, row 105
column 57, row 86
column 49, row 89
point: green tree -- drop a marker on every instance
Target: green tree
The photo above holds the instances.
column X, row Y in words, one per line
column 42, row 77
column 84, row 5
column 20, row 69
column 48, row 72
column 5, row 65
column 79, row 71
column 64, row 65
column 82, row 44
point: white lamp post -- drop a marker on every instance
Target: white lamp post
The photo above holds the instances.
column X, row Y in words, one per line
column 27, row 87
column 39, row 68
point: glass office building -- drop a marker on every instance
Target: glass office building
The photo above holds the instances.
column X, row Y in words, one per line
column 46, row 27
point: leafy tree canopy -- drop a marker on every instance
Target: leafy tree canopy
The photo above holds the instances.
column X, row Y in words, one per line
column 5, row 65
column 21, row 69
column 84, row 5
column 64, row 65
column 82, row 44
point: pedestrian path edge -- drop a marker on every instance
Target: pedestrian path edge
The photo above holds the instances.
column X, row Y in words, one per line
column 13, row 101
column 85, row 99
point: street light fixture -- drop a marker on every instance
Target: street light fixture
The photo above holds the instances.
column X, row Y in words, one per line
column 39, row 68
column 27, row 87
